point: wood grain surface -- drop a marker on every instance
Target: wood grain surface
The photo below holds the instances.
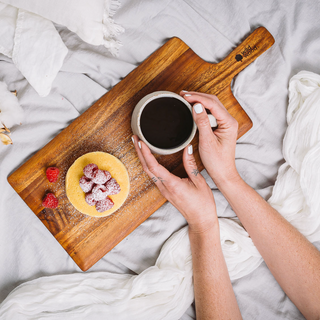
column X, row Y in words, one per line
column 105, row 126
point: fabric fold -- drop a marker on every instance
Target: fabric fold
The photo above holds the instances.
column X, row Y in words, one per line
column 8, row 19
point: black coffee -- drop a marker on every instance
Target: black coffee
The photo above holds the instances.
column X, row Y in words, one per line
column 166, row 122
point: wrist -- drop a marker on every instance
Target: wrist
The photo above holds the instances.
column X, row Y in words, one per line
column 202, row 236
column 231, row 186
column 204, row 228
column 224, row 178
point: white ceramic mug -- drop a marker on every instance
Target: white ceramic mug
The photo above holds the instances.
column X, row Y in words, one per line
column 136, row 115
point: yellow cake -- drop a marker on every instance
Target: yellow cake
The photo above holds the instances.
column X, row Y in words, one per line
column 104, row 161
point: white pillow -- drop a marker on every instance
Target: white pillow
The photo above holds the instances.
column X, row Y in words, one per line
column 28, row 36
column 38, row 51
column 90, row 20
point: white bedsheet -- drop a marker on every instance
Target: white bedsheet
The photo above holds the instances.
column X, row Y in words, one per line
column 212, row 29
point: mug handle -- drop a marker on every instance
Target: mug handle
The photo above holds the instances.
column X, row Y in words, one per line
column 213, row 121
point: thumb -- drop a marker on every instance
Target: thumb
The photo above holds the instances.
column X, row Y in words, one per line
column 202, row 120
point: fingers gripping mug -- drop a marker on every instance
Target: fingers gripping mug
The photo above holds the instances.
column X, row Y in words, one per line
column 163, row 121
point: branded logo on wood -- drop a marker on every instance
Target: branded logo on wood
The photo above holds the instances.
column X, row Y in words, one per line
column 246, row 52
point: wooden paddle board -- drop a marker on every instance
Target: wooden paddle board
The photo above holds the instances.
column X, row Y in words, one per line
column 105, row 126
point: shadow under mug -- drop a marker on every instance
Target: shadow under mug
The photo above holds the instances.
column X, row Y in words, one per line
column 136, row 123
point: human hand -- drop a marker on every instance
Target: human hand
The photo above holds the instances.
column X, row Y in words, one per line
column 191, row 196
column 216, row 148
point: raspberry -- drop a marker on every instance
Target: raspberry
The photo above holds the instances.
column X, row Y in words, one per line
column 90, row 199
column 86, row 184
column 99, row 192
column 50, row 201
column 107, row 174
column 52, row 174
column 89, row 170
column 99, row 177
column 104, row 205
column 112, row 187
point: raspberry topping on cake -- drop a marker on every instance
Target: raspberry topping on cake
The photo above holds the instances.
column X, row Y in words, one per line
column 89, row 170
column 90, row 199
column 104, row 205
column 98, row 185
column 99, row 177
column 112, row 187
column 107, row 174
column 86, row 184
column 99, row 192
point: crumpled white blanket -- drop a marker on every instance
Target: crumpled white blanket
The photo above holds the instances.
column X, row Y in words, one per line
column 161, row 292
column 29, row 37
column 296, row 194
column 165, row 290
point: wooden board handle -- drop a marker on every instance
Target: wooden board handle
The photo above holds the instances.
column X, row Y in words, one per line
column 252, row 47
column 221, row 74
column 218, row 76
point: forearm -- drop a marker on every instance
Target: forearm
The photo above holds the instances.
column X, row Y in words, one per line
column 214, row 296
column 292, row 259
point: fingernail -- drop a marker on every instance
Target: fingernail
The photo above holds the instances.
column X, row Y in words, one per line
column 184, row 90
column 132, row 138
column 139, row 143
column 190, row 149
column 187, row 95
column 198, row 108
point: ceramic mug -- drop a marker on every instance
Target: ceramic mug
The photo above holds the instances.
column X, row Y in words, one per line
column 136, row 125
